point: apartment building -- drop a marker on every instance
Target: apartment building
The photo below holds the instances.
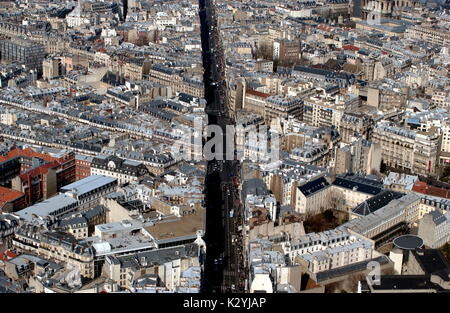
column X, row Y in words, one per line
column 331, row 249
column 42, row 175
column 351, row 190
column 386, row 96
column 89, row 190
column 385, row 223
column 255, row 101
column 11, row 200
column 8, row 118
column 82, row 224
column 326, row 111
column 434, row 229
column 399, row 181
column 246, row 124
column 287, row 52
column 56, row 245
column 405, row 149
column 429, row 33
column 158, row 163
column 315, row 153
column 313, row 196
column 82, row 166
column 136, row 68
column 173, row 77
column 361, row 156
column 27, row 52
column 51, row 68
column 125, row 171
column 327, row 76
column 9, row 224
column 444, row 153
column 283, row 177
column 440, row 98
column 191, row 85
column 168, row 264
column 9, row 168
column 282, row 107
column 353, row 125
column 264, row 66
column 164, row 73
column 377, row 69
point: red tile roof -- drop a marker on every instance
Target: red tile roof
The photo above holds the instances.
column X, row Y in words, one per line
column 350, row 47
column 7, row 255
column 10, row 254
column 28, row 152
column 258, row 93
column 8, row 195
column 423, row 188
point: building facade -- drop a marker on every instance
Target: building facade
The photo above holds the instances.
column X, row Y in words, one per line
column 330, row 249
column 27, row 52
column 405, row 149
column 434, row 229
column 126, row 171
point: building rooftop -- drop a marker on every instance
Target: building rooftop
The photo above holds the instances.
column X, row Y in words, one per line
column 314, row 186
column 257, row 93
column 8, row 195
column 255, row 187
column 368, row 222
column 400, row 179
column 408, row 242
column 432, row 261
column 172, row 229
column 156, row 257
column 88, row 184
column 424, row 188
column 376, row 202
column 437, row 217
column 349, row 269
column 51, row 206
column 361, row 185
column 405, row 283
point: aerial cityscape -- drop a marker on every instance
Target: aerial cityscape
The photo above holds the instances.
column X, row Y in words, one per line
column 224, row 147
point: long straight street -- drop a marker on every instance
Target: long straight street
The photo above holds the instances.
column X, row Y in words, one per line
column 224, row 262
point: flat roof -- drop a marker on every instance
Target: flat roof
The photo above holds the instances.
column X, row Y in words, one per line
column 408, row 242
column 185, row 226
column 46, row 207
column 433, row 261
column 88, row 184
column 405, row 282
column 350, row 268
